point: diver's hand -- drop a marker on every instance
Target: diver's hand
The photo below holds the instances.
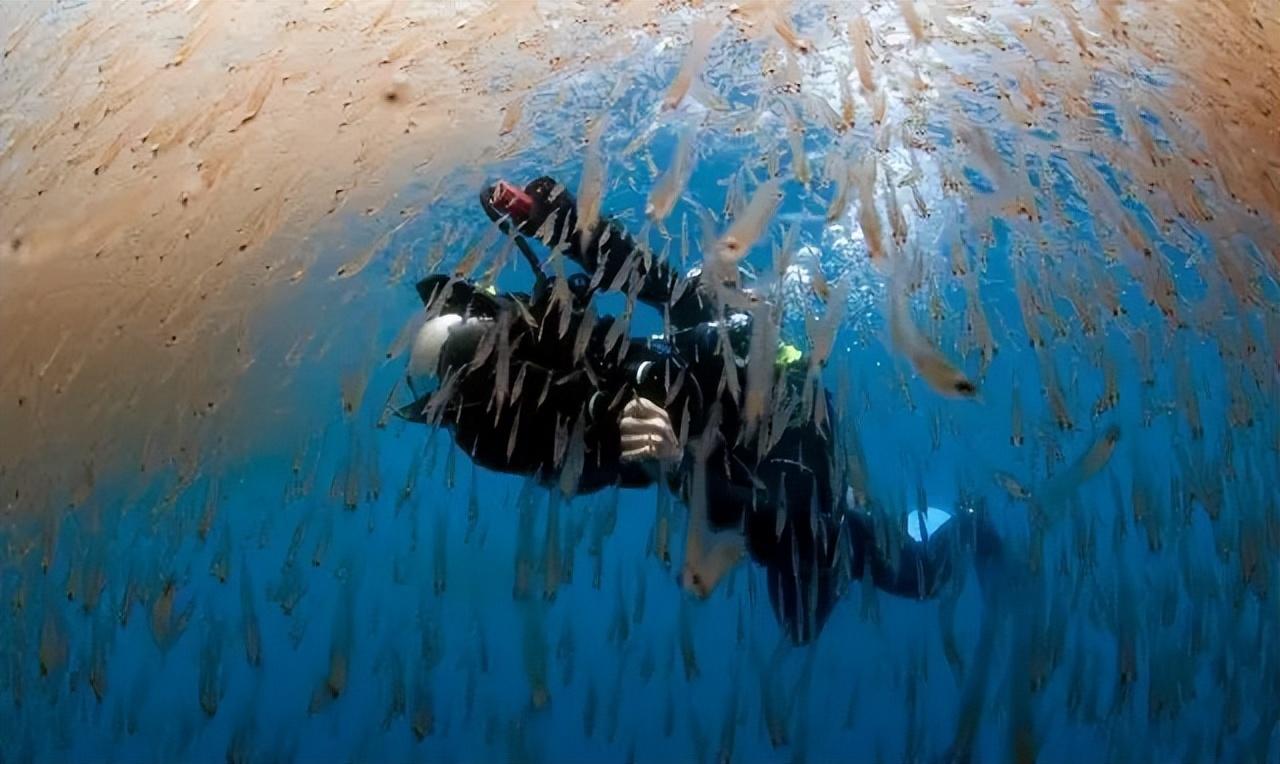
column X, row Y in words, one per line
column 647, row 433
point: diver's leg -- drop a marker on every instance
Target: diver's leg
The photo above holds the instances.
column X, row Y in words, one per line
column 917, row 560
column 803, row 576
column 792, row 527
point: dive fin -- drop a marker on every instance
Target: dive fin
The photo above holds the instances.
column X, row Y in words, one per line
column 414, row 412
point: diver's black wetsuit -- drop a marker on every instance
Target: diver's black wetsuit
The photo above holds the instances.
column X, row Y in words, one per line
column 538, row 389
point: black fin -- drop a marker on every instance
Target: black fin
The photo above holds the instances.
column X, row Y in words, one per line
column 430, row 286
column 415, row 412
column 449, row 294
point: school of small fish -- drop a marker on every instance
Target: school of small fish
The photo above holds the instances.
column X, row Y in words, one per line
column 1034, row 248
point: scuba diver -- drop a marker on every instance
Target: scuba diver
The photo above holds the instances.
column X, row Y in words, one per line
column 538, row 384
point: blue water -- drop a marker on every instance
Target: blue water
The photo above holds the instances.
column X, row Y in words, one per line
column 377, row 568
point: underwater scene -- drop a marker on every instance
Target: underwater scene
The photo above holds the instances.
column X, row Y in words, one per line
column 650, row 380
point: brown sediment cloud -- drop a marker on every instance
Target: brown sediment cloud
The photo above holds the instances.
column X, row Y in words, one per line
column 1228, row 57
column 163, row 171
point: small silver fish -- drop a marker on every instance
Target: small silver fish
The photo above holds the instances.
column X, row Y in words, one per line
column 666, row 191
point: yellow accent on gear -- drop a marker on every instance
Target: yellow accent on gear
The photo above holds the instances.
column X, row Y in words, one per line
column 788, row 354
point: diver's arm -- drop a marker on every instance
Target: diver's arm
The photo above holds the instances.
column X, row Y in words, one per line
column 544, row 432
column 605, row 458
column 897, row 564
column 546, row 210
column 607, row 252
column 529, row 418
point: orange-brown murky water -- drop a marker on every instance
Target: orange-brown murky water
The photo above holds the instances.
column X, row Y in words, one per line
column 165, row 168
